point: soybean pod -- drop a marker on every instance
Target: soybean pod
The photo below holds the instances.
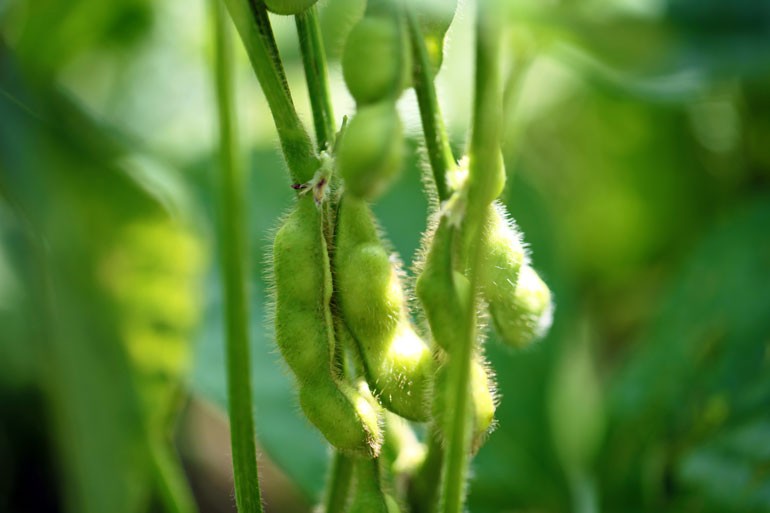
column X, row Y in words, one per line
column 305, row 335
column 397, row 363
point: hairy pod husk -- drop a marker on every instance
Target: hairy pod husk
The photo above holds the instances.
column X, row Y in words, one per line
column 519, row 302
column 376, row 63
column 443, row 293
column 483, row 400
column 401, row 450
column 526, row 315
column 288, row 7
column 371, row 150
column 398, row 363
column 305, row 334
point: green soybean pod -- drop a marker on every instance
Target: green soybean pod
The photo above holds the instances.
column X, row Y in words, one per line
column 526, row 315
column 483, row 400
column 376, row 62
column 443, row 293
column 305, row 334
column 371, row 150
column 288, row 7
column 397, row 362
column 519, row 301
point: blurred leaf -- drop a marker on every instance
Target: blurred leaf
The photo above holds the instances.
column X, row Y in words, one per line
column 701, row 370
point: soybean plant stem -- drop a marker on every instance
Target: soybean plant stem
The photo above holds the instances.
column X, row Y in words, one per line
column 314, row 62
column 436, row 141
column 338, row 488
column 484, row 157
column 253, row 24
column 233, row 258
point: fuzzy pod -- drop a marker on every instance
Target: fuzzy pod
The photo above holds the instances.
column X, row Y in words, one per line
column 371, row 150
column 402, row 452
column 397, row 362
column 483, row 400
column 305, row 334
column 526, row 315
column 443, row 293
column 376, row 62
column 288, row 7
column 344, row 415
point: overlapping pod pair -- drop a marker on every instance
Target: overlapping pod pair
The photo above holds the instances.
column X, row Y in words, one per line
column 346, row 415
column 519, row 302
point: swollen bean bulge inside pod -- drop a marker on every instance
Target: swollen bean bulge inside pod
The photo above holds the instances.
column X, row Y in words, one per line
column 375, row 61
column 287, row 7
column 305, row 334
column 398, row 363
column 526, row 315
column 371, row 150
column 482, row 400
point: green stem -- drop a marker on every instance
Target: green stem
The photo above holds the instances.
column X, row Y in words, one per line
column 314, row 62
column 170, row 480
column 338, row 488
column 233, row 256
column 483, row 178
column 253, row 24
column 436, row 141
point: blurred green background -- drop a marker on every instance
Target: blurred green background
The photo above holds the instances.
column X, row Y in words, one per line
column 638, row 152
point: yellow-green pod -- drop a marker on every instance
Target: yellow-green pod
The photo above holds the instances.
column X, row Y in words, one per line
column 347, row 418
column 526, row 315
column 376, row 62
column 401, row 450
column 397, row 362
column 305, row 334
column 443, row 293
column 483, row 400
column 371, row 150
column 287, row 7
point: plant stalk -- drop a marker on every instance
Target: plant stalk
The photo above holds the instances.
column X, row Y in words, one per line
column 440, row 155
column 233, row 251
column 484, row 162
column 316, row 76
column 251, row 20
column 338, row 488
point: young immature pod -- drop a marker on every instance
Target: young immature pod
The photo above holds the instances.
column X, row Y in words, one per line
column 376, row 62
column 305, row 334
column 483, row 400
column 371, row 150
column 287, row 7
column 397, row 363
column 519, row 301
column 443, row 293
column 526, row 315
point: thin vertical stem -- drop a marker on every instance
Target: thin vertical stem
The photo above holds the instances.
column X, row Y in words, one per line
column 316, row 76
column 436, row 141
column 338, row 488
column 483, row 177
column 233, row 258
column 251, row 20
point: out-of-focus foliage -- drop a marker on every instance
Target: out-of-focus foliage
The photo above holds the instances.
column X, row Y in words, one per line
column 638, row 152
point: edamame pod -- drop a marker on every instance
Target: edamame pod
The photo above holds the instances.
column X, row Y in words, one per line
column 398, row 364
